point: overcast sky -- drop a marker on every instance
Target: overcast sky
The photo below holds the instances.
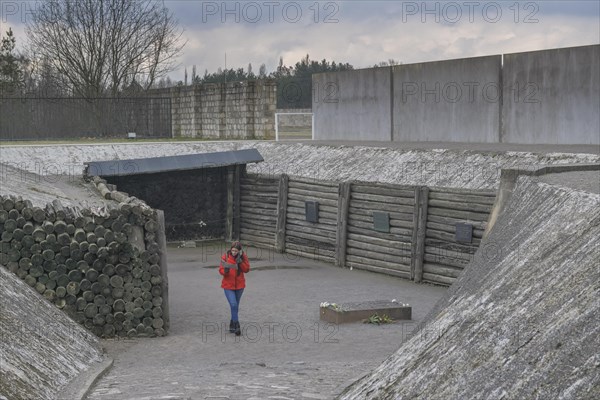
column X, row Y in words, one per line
column 362, row 33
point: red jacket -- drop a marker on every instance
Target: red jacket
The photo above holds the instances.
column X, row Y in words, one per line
column 234, row 280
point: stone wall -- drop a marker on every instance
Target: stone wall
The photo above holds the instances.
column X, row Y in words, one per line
column 233, row 110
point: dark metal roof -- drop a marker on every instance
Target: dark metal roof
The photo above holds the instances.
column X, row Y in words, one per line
column 171, row 163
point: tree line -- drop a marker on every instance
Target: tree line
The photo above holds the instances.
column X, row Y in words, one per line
column 294, row 83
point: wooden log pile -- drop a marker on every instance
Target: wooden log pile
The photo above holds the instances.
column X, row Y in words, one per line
column 90, row 263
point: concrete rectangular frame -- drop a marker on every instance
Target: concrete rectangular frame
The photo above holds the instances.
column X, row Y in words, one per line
column 453, row 100
column 353, row 105
column 552, row 96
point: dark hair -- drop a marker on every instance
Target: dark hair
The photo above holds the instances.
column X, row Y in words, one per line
column 237, row 245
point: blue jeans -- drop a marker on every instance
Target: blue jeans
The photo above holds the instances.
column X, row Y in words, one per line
column 234, row 297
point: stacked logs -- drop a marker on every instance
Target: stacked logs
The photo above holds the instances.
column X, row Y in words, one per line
column 100, row 265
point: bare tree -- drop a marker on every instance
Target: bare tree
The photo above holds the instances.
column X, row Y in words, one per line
column 389, row 63
column 262, row 72
column 103, row 46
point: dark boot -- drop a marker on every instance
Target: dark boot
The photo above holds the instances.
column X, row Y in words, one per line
column 231, row 326
column 238, row 330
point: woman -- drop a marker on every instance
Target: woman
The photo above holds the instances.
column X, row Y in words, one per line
column 234, row 263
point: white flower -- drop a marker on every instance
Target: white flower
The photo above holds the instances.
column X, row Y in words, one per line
column 394, row 301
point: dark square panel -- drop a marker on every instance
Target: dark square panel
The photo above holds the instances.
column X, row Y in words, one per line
column 381, row 221
column 464, row 233
column 312, row 210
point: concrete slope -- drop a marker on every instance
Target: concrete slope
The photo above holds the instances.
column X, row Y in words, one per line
column 42, row 351
column 522, row 322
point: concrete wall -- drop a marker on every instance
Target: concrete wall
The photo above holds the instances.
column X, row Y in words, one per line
column 353, row 105
column 552, row 96
column 452, row 101
column 42, row 350
column 541, row 97
column 521, row 321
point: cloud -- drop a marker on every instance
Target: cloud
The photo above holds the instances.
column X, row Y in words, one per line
column 364, row 33
column 368, row 32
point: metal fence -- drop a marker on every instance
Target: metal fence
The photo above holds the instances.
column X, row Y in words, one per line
column 70, row 118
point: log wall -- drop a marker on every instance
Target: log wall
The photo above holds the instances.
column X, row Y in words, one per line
column 420, row 244
column 366, row 248
column 315, row 240
column 102, row 266
column 444, row 257
column 258, row 210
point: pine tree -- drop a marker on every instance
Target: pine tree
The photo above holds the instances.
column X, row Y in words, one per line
column 11, row 65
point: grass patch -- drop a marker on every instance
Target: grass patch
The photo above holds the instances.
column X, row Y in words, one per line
column 114, row 140
column 378, row 320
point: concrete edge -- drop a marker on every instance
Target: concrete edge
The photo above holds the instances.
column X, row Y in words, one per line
column 554, row 169
column 80, row 387
column 508, row 181
column 161, row 240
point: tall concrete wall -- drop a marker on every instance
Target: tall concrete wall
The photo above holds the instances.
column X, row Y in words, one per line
column 453, row 101
column 353, row 105
column 541, row 97
column 552, row 96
